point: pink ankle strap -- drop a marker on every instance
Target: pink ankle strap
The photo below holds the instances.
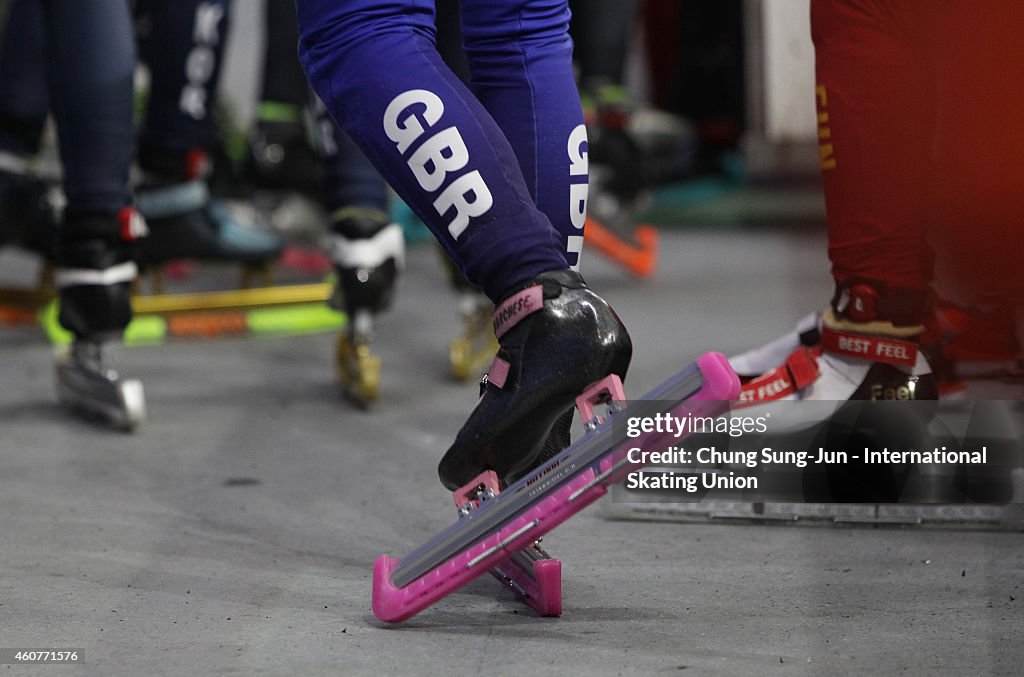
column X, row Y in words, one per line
column 873, row 348
column 516, row 308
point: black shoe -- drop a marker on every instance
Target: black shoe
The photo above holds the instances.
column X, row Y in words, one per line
column 556, row 337
column 94, row 274
column 186, row 223
column 368, row 253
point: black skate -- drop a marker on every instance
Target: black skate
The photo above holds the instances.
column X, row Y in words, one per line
column 556, row 337
column 281, row 159
column 284, row 174
column 94, row 278
column 186, row 222
column 367, row 251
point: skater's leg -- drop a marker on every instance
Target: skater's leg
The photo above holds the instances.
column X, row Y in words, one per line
column 182, row 43
column 90, row 63
column 350, row 179
column 601, row 31
column 520, row 57
column 24, row 102
column 451, row 162
column 90, row 59
column 366, row 247
column 281, row 153
column 374, row 65
column 27, row 215
column 877, row 105
column 876, row 102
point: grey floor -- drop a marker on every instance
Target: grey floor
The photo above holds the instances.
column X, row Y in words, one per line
column 235, row 532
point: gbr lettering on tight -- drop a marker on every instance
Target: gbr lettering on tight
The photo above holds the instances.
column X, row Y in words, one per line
column 579, row 166
column 416, row 113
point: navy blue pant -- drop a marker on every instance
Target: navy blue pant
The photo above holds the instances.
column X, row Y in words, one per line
column 348, row 177
column 86, row 51
column 498, row 174
column 182, row 44
column 602, row 30
column 24, row 101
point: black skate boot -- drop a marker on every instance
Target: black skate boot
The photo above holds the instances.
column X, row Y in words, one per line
column 285, row 173
column 94, row 276
column 186, row 222
column 368, row 252
column 281, row 157
column 556, row 337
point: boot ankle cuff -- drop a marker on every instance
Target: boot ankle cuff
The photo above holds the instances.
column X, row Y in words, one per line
column 871, row 341
column 517, row 307
column 860, row 300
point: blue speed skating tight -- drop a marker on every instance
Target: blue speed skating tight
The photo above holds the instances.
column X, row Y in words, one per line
column 499, row 173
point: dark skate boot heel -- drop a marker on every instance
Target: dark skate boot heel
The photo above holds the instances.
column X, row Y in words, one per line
column 556, row 337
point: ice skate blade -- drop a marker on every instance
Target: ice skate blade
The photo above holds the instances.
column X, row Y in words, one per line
column 118, row 403
column 358, row 371
column 535, row 577
column 531, row 573
column 538, row 502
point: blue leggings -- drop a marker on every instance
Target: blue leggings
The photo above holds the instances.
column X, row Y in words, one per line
column 498, row 174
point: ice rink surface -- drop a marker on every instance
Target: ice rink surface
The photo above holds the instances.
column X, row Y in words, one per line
column 235, row 532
